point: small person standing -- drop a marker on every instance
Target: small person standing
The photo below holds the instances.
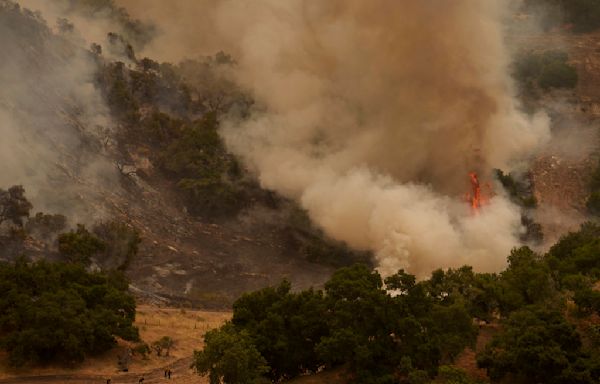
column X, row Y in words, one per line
column 169, row 374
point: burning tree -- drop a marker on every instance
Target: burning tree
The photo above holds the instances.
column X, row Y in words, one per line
column 476, row 197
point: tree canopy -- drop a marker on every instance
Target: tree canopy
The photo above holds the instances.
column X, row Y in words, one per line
column 56, row 312
column 355, row 322
column 538, row 346
column 80, row 245
column 400, row 330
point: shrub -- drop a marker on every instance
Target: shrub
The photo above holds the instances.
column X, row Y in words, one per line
column 14, row 207
column 46, row 226
column 121, row 244
column 80, row 245
column 519, row 189
column 229, row 357
column 142, row 349
column 56, row 312
column 205, row 173
column 576, row 253
column 537, row 346
column 587, row 301
column 451, row 375
column 164, row 343
column 557, row 74
column 546, row 70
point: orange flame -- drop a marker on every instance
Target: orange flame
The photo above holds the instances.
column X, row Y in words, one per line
column 476, row 197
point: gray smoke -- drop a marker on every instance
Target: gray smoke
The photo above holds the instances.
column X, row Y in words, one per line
column 371, row 114
column 53, row 121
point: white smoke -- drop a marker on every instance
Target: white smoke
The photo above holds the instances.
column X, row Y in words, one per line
column 371, row 114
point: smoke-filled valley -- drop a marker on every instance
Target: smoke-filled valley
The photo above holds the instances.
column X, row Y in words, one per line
column 427, row 166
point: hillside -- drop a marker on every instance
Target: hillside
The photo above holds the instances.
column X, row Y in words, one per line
column 562, row 172
column 340, row 192
column 98, row 165
column 208, row 230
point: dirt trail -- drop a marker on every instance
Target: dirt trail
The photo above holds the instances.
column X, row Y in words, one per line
column 182, row 374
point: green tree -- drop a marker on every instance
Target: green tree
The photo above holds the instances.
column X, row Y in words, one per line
column 479, row 293
column 372, row 331
column 284, row 327
column 576, row 253
column 59, row 312
column 204, row 170
column 360, row 322
column 159, row 129
column 537, row 346
column 527, row 280
column 587, row 300
column 229, row 357
column 80, row 245
column 454, row 329
column 120, row 99
column 448, row 374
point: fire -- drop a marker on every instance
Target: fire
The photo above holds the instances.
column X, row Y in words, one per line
column 475, row 197
column 475, row 194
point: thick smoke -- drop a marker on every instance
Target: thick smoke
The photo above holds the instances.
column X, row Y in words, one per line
column 372, row 113
column 93, row 20
column 53, row 121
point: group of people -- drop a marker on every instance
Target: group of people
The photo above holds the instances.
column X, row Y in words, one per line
column 168, row 374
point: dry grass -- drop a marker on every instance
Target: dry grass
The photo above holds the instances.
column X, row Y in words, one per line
column 186, row 327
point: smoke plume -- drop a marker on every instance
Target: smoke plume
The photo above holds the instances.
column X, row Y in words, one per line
column 52, row 119
column 372, row 113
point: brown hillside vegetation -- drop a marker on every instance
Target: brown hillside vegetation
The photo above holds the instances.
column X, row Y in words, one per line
column 467, row 359
column 561, row 173
column 184, row 326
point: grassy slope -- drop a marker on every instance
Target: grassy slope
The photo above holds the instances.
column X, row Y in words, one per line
column 186, row 327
